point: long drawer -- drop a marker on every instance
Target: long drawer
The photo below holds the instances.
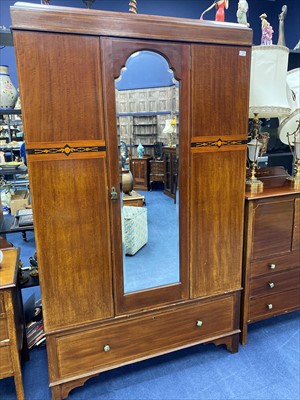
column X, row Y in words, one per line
column 274, row 304
column 275, row 264
column 275, row 283
column 122, row 342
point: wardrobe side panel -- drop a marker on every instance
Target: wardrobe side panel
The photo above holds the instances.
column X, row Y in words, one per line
column 220, row 90
column 66, row 152
column 216, row 236
column 220, row 79
column 60, row 86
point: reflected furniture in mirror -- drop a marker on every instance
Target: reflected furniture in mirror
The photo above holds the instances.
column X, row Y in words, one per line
column 170, row 171
column 97, row 315
column 157, row 172
column 140, row 169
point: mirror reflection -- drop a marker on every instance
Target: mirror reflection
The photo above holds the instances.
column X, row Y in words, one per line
column 147, row 102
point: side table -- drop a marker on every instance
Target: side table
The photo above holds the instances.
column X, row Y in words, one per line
column 12, row 323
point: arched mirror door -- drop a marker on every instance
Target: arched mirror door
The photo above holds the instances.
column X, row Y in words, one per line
column 147, row 128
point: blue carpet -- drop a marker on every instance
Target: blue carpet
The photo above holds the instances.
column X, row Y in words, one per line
column 267, row 368
column 157, row 263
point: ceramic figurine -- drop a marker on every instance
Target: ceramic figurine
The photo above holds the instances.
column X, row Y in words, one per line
column 266, row 31
column 241, row 13
column 220, row 6
column 281, row 36
column 140, row 150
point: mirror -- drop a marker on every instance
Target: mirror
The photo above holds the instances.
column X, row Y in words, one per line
column 147, row 103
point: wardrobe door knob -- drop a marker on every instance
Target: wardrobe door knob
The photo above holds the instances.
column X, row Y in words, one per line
column 270, row 306
column 106, row 347
column 199, row 323
column 271, row 285
column 272, row 266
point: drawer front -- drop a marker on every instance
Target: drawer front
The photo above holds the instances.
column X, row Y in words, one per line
column 275, row 264
column 122, row 342
column 6, row 367
column 275, row 304
column 275, row 283
column 3, row 328
column 157, row 167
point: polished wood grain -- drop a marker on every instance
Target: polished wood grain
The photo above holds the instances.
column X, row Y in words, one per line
column 12, row 328
column 220, row 83
column 272, row 227
column 296, row 232
column 76, row 260
column 68, row 20
column 68, row 60
column 65, row 105
column 271, row 262
column 275, row 283
column 98, row 349
column 217, row 205
column 275, row 304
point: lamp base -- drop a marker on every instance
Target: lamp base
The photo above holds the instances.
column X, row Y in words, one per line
column 254, row 185
column 294, row 181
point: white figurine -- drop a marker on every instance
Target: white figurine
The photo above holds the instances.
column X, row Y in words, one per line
column 241, row 13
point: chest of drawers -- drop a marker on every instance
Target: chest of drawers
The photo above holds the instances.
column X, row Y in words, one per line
column 157, row 171
column 12, row 328
column 271, row 267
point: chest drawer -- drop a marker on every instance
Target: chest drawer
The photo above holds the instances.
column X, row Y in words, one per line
column 157, row 167
column 274, row 304
column 6, row 368
column 275, row 264
column 274, row 283
column 3, row 328
column 122, row 342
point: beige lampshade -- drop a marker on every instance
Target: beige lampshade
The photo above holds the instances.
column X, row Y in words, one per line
column 268, row 91
column 288, row 126
column 293, row 85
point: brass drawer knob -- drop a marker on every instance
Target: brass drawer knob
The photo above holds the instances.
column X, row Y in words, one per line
column 106, row 347
column 199, row 323
column 270, row 306
column 272, row 266
column 271, row 285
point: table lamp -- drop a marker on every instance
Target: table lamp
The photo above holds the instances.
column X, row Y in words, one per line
column 268, row 99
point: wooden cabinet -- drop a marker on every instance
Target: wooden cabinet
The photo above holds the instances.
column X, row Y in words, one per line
column 271, row 256
column 170, row 171
column 91, row 324
column 140, row 169
column 157, row 171
column 12, row 323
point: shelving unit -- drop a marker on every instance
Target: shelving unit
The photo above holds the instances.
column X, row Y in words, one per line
column 144, row 129
column 8, row 119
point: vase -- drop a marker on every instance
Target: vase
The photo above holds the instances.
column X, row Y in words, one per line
column 8, row 93
column 140, row 150
column 127, row 181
